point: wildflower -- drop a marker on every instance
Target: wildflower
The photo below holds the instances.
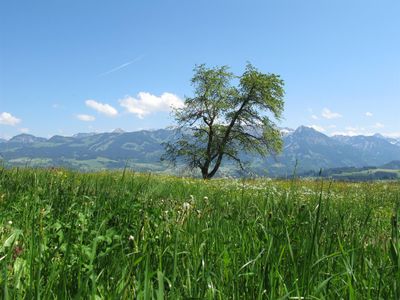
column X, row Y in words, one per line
column 131, row 238
column 186, row 206
column 10, row 222
column 205, row 198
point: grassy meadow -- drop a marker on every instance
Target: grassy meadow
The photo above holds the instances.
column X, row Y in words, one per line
column 124, row 235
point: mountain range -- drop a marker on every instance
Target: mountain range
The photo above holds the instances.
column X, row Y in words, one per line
column 305, row 150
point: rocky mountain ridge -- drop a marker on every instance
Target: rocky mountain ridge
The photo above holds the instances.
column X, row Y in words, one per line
column 305, row 148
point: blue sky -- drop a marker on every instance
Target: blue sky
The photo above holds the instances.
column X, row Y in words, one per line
column 83, row 66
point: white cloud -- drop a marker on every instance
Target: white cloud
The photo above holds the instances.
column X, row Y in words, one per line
column 5, row 136
column 353, row 131
column 146, row 103
column 106, row 109
column 395, row 135
column 379, row 125
column 328, row 114
column 314, row 117
column 346, row 133
column 8, row 119
column 86, row 118
column 57, row 106
column 369, row 114
column 24, row 130
column 317, row 128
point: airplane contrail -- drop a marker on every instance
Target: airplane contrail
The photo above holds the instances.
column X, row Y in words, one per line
column 121, row 66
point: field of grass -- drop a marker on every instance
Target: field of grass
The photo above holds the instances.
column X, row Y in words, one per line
column 123, row 235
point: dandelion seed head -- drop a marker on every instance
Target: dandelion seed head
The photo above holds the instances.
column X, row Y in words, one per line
column 186, row 206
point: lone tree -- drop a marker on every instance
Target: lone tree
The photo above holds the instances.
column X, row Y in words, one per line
column 223, row 120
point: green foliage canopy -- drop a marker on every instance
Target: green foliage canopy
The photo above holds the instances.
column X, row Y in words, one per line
column 224, row 119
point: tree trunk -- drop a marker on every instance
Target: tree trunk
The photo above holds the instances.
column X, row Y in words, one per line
column 204, row 173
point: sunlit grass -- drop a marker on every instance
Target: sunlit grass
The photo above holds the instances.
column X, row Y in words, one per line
column 123, row 235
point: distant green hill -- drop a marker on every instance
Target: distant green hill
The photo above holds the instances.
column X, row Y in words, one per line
column 393, row 165
column 389, row 171
column 372, row 174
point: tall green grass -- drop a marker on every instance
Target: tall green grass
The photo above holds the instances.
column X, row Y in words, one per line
column 122, row 235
